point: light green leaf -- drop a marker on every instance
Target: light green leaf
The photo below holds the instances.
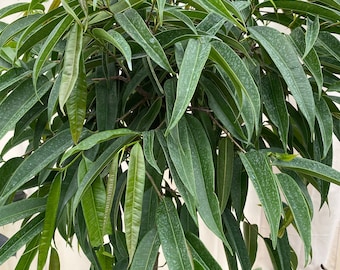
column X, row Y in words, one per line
column 147, row 251
column 195, row 56
column 264, row 182
column 183, row 18
column 135, row 26
column 71, row 65
column 49, row 221
column 325, row 121
column 54, row 260
column 121, row 6
column 97, row 138
column 311, row 60
column 211, row 24
column 21, row 238
column 117, row 40
column 160, row 7
column 16, row 8
column 70, row 11
column 275, row 104
column 248, row 98
column 312, row 33
column 76, row 103
column 286, row 60
column 49, row 44
column 310, row 167
column 171, row 236
column 299, row 208
column 21, row 209
column 134, row 198
column 19, row 102
column 37, row 161
column 224, row 170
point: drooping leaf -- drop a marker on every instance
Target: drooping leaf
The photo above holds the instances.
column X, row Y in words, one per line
column 72, row 65
column 286, row 60
column 195, row 56
column 49, row 221
column 54, row 260
column 135, row 26
column 21, row 237
column 311, row 60
column 299, row 208
column 134, row 198
column 16, row 8
column 311, row 168
column 224, row 170
column 312, row 33
column 172, row 237
column 21, row 209
column 147, row 251
column 48, row 46
column 148, row 146
column 160, row 7
column 264, row 182
column 250, row 232
column 117, row 40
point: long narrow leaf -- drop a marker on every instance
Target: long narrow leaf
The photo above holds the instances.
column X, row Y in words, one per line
column 312, row 33
column 264, row 181
column 172, row 237
column 135, row 26
column 134, row 198
column 286, row 60
column 49, row 221
column 72, row 64
column 195, row 56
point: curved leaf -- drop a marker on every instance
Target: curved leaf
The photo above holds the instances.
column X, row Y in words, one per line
column 299, row 208
column 264, row 182
column 286, row 60
column 312, row 33
column 195, row 56
column 330, row 43
column 72, row 65
column 49, row 221
column 134, row 198
column 148, row 146
column 17, row 7
column 147, row 251
column 135, row 26
column 171, row 236
column 116, row 40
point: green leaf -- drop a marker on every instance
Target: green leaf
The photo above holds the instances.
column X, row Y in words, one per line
column 147, row 251
column 171, row 236
column 195, row 56
column 16, row 8
column 135, row 26
column 95, row 139
column 70, row 11
column 72, row 65
column 224, row 170
column 76, row 103
column 311, row 60
column 29, row 254
column 236, row 240
column 264, row 182
column 250, row 232
column 298, row 205
column 37, row 161
column 200, row 253
column 330, row 43
column 148, row 146
column 54, row 260
column 93, row 205
column 325, row 121
column 21, row 209
column 247, row 94
column 21, row 238
column 14, row 75
column 224, row 9
column 134, row 198
column 49, row 221
column 160, row 8
column 275, row 104
column 286, row 60
column 312, row 33
column 117, row 40
column 19, row 101
column 49, row 44
column 311, row 168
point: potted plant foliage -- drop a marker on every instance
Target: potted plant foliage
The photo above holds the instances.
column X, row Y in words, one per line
column 143, row 115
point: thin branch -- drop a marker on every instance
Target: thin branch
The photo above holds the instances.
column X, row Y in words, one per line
column 120, row 78
column 154, row 184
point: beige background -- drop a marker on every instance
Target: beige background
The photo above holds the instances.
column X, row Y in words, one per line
column 325, row 227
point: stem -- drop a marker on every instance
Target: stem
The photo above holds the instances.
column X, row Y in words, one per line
column 154, row 185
